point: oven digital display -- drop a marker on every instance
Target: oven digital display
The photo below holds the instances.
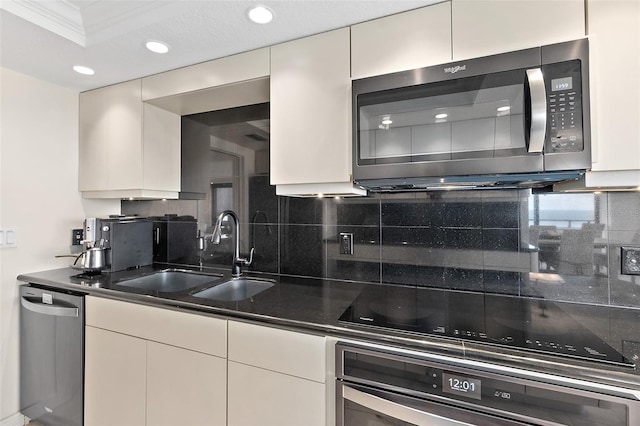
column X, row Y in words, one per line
column 558, row 84
column 461, row 385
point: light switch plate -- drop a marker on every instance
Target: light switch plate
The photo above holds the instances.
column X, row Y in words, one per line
column 8, row 238
column 630, row 257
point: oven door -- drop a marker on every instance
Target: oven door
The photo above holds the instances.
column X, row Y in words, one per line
column 363, row 405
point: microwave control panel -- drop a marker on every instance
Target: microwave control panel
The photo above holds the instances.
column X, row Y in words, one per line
column 564, row 107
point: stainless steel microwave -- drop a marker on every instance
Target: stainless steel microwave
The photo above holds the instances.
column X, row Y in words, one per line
column 514, row 119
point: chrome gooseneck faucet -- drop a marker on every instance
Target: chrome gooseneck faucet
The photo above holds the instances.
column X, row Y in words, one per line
column 238, row 262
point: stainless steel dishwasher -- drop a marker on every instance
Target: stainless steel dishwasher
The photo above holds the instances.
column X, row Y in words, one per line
column 52, row 356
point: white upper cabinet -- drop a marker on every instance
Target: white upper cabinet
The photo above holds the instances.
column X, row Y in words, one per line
column 219, row 72
column 614, row 37
column 311, row 116
column 405, row 41
column 127, row 148
column 486, row 27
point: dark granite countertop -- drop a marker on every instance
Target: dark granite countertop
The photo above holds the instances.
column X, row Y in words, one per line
column 314, row 306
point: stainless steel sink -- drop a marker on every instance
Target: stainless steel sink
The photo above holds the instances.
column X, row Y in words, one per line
column 235, row 289
column 171, row 280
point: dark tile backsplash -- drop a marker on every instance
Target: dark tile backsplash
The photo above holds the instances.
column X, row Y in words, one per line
column 549, row 245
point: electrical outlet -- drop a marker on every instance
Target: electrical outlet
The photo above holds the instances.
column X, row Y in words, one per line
column 77, row 235
column 630, row 260
column 346, row 243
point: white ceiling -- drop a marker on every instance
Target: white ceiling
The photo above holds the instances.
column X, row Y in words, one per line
column 45, row 38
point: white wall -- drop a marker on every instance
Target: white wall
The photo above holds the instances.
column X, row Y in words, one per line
column 39, row 198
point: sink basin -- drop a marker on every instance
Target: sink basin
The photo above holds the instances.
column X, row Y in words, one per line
column 171, row 280
column 235, row 289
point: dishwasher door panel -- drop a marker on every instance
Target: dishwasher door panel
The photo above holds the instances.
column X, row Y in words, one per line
column 52, row 356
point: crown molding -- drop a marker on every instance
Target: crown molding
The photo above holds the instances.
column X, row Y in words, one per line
column 58, row 16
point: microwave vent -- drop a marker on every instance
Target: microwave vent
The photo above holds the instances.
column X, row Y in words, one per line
column 452, row 183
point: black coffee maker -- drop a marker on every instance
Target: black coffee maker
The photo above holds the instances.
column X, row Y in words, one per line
column 126, row 241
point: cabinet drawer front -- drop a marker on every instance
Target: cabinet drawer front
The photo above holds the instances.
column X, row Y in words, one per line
column 196, row 332
column 296, row 354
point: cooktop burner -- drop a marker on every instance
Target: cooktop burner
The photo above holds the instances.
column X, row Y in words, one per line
column 530, row 324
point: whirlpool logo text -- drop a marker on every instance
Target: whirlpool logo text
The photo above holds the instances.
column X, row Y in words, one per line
column 453, row 70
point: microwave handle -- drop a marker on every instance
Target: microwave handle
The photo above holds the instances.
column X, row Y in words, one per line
column 538, row 99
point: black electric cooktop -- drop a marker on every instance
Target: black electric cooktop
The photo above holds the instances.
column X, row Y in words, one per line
column 531, row 324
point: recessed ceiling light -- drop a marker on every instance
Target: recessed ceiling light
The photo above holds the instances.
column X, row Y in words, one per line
column 261, row 14
column 386, row 121
column 157, row 46
column 439, row 116
column 83, row 70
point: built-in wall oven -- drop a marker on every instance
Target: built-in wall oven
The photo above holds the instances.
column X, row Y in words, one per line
column 514, row 119
column 379, row 385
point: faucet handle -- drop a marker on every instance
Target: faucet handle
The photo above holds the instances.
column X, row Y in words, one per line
column 247, row 262
column 250, row 261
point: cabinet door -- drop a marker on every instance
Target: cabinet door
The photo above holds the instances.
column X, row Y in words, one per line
column 94, row 125
column 124, row 161
column 185, row 387
column 310, row 110
column 195, row 153
column 115, row 379
column 614, row 35
column 263, row 397
column 161, row 149
column 401, row 42
column 485, row 27
column 110, row 150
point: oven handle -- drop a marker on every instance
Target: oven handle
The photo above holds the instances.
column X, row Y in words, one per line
column 395, row 410
column 538, row 99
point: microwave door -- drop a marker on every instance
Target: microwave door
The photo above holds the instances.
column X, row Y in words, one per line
column 462, row 126
column 536, row 111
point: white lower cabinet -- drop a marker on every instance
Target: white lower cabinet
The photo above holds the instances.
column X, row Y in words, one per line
column 141, row 369
column 115, row 379
column 153, row 366
column 268, row 398
column 184, row 387
column 276, row 377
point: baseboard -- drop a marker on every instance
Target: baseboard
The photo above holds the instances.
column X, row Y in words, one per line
column 15, row 420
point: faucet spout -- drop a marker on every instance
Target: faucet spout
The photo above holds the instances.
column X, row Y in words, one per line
column 238, row 262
